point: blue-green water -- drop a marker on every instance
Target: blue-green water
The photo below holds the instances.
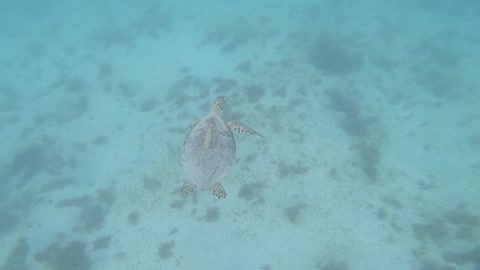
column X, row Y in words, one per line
column 370, row 112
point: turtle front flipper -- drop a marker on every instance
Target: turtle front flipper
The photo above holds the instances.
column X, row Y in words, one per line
column 242, row 128
column 187, row 188
column 218, row 191
column 190, row 127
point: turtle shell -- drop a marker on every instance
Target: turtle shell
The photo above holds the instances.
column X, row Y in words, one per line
column 208, row 152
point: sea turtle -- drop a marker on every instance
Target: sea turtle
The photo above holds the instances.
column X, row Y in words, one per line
column 208, row 152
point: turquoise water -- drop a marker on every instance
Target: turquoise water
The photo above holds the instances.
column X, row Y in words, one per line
column 370, row 112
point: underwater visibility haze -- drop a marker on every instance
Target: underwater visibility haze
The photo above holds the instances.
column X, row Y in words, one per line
column 368, row 113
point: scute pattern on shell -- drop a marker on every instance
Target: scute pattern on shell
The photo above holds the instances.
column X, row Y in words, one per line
column 208, row 152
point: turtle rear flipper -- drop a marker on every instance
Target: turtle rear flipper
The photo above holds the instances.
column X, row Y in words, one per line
column 242, row 128
column 218, row 191
column 187, row 188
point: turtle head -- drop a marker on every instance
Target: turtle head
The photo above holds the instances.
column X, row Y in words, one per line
column 217, row 106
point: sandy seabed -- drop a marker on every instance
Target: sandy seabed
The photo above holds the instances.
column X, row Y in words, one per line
column 370, row 114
